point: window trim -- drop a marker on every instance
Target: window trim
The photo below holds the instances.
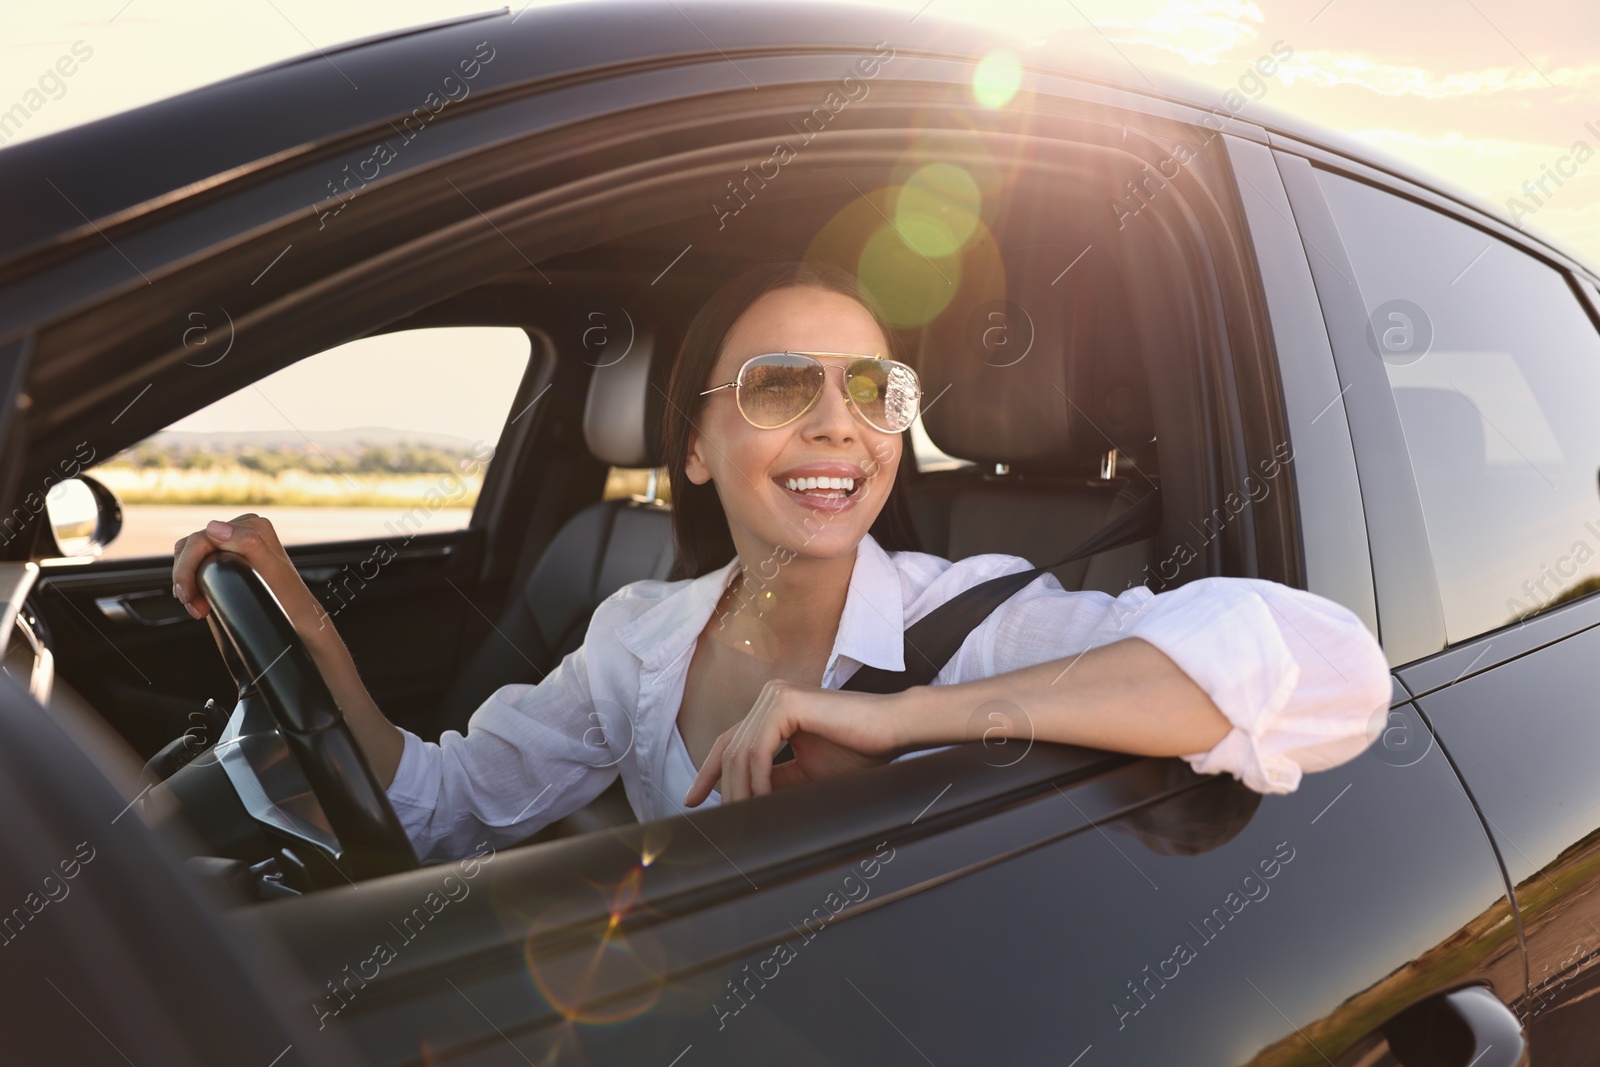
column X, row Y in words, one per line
column 1332, row 531
column 1410, row 611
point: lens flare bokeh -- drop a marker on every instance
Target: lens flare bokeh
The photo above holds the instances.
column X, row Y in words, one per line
column 582, row 983
column 997, row 78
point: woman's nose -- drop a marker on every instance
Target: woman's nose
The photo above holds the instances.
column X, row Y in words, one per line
column 832, row 415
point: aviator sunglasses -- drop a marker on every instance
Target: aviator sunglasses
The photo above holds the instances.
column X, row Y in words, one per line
column 775, row 388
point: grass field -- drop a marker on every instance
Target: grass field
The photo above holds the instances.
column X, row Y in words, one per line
column 238, row 486
column 163, row 503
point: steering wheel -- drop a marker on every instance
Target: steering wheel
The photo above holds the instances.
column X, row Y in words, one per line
column 266, row 656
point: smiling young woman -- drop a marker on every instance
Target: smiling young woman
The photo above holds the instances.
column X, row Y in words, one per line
column 785, row 436
column 732, row 454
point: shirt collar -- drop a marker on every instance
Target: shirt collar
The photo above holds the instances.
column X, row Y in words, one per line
column 871, row 627
column 660, row 632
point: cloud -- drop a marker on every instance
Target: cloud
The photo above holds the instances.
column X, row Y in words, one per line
column 1199, row 31
column 1330, row 69
column 1492, row 167
column 1409, row 141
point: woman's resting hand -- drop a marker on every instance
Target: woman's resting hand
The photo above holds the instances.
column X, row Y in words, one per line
column 831, row 732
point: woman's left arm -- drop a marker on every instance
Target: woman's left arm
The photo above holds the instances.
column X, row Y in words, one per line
column 1238, row 675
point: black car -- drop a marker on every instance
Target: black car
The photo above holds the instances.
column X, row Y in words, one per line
column 1341, row 375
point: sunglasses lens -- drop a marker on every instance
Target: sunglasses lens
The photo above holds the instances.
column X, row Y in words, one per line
column 775, row 388
column 885, row 391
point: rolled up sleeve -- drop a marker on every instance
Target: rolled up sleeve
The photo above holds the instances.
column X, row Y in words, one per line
column 1301, row 679
column 418, row 769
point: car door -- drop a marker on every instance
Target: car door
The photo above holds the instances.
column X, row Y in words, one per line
column 370, row 459
column 1477, row 353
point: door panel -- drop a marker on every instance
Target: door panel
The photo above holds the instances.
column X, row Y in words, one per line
column 1026, row 933
column 1525, row 735
column 145, row 668
column 1384, row 892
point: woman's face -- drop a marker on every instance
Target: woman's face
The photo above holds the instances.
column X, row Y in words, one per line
column 750, row 467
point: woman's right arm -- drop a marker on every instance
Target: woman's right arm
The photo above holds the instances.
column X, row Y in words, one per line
column 253, row 539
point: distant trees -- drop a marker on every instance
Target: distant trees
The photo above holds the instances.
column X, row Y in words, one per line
column 403, row 458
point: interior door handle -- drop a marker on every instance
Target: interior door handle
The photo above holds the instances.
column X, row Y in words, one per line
column 1467, row 1026
column 149, row 608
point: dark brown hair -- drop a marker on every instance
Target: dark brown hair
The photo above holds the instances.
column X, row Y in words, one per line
column 699, row 525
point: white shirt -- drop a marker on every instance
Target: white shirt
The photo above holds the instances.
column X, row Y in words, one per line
column 1300, row 678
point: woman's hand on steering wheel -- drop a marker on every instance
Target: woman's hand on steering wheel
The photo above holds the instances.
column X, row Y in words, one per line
column 252, row 538
column 831, row 731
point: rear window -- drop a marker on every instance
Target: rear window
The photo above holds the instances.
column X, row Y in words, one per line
column 1495, row 367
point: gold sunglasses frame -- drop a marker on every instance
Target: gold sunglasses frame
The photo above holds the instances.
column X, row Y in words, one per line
column 916, row 394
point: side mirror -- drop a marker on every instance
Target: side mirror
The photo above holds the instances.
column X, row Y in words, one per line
column 84, row 516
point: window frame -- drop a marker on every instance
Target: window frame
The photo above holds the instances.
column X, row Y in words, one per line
column 1332, row 531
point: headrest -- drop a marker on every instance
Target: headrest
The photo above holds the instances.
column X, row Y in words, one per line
column 1454, row 446
column 1045, row 377
column 619, row 416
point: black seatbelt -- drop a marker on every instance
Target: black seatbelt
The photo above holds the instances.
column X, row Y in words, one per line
column 933, row 639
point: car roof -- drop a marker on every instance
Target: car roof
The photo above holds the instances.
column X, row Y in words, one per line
column 59, row 185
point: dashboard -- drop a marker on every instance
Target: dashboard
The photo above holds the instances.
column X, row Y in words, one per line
column 249, row 767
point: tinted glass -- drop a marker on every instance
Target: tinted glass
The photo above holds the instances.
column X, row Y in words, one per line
column 1495, row 367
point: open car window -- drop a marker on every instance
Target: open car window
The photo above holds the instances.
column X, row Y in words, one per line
column 388, row 434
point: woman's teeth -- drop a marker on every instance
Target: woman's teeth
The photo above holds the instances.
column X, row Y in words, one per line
column 827, row 486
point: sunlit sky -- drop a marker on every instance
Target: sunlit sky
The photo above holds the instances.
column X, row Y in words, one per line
column 456, row 380
column 1490, row 94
